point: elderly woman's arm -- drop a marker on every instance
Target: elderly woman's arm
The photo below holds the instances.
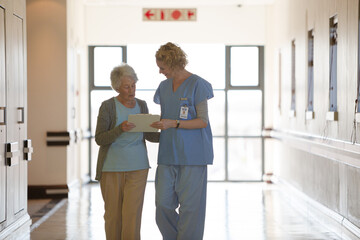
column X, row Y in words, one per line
column 103, row 134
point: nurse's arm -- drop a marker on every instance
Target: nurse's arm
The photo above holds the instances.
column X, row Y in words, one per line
column 192, row 124
column 201, row 120
column 164, row 124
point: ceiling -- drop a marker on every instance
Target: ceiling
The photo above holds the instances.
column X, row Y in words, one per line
column 177, row 3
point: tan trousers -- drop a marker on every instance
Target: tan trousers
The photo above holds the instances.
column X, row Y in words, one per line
column 123, row 194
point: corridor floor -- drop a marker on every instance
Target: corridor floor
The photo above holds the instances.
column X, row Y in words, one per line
column 235, row 211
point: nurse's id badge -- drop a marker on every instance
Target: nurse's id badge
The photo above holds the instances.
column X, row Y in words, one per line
column 184, row 110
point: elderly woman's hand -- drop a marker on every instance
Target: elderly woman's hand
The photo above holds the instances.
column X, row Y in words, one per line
column 164, row 124
column 126, row 126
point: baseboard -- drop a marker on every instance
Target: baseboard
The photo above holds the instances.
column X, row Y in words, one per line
column 17, row 230
column 47, row 191
column 325, row 216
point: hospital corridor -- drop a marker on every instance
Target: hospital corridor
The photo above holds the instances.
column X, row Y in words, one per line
column 247, row 112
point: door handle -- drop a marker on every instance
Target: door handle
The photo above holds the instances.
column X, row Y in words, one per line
column 20, row 115
column 12, row 152
column 2, row 115
column 28, row 149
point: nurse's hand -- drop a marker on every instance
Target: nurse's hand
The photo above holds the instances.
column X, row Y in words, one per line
column 164, row 124
column 126, row 126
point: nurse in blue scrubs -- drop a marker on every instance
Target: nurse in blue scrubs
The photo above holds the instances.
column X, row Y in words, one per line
column 185, row 147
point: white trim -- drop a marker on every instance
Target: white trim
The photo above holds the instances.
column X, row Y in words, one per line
column 309, row 115
column 332, row 116
column 357, row 117
column 292, row 113
column 336, row 150
column 318, row 212
column 17, row 229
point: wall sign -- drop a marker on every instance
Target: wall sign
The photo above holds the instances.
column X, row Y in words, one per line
column 169, row 14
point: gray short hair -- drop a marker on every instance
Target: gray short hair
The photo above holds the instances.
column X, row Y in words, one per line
column 123, row 70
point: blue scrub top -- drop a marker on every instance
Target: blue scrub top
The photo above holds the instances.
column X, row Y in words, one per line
column 184, row 146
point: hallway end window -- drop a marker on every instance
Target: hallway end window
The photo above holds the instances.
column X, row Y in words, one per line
column 332, row 115
column 244, row 66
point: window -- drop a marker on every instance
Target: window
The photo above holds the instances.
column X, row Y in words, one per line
column 236, row 125
column 244, row 115
column 310, row 87
column 333, row 65
column 358, row 76
column 293, row 80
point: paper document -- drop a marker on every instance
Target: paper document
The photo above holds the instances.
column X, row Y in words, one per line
column 143, row 121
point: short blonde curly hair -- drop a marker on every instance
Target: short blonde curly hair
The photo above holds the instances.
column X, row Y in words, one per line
column 172, row 56
column 117, row 74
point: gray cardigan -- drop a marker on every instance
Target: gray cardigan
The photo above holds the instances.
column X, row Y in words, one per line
column 106, row 132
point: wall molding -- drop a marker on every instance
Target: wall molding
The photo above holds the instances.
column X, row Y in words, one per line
column 337, row 150
column 18, row 229
column 315, row 210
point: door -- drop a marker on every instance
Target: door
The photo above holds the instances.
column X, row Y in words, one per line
column 16, row 131
column 13, row 168
column 2, row 117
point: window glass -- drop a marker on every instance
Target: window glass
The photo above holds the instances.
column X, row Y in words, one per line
column 105, row 59
column 293, row 76
column 216, row 109
column 142, row 58
column 244, row 66
column 245, row 158
column 216, row 172
column 207, row 61
column 333, row 65
column 148, row 96
column 97, row 97
column 244, row 113
column 310, row 106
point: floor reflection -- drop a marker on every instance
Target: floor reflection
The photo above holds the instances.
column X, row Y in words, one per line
column 235, row 211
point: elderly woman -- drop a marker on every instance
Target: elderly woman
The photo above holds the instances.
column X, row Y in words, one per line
column 185, row 147
column 123, row 165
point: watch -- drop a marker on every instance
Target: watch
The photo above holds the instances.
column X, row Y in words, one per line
column 177, row 123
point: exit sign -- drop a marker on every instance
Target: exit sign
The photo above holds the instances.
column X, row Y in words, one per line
column 169, row 14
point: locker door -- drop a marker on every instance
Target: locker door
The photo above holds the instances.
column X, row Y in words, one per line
column 16, row 132
column 2, row 117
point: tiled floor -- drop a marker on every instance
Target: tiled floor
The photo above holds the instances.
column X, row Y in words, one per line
column 235, row 211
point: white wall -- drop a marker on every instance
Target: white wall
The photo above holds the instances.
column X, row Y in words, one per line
column 47, row 88
column 316, row 156
column 116, row 25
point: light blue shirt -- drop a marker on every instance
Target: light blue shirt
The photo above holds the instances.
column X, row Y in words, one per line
column 128, row 152
column 184, row 146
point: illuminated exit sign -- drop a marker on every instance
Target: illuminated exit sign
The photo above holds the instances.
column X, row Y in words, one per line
column 169, row 14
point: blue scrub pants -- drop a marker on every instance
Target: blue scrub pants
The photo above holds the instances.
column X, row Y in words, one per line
column 184, row 186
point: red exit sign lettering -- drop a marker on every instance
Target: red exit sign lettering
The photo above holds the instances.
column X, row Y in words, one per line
column 169, row 14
